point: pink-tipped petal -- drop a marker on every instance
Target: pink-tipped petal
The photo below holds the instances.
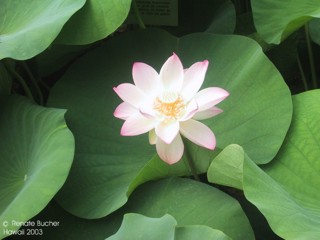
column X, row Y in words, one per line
column 191, row 110
column 125, row 110
column 152, row 137
column 170, row 153
column 205, row 114
column 193, row 79
column 146, row 78
column 130, row 93
column 209, row 97
column 198, row 133
column 167, row 131
column 136, row 125
column 147, row 110
column 171, row 74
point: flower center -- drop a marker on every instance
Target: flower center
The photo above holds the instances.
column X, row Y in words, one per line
column 170, row 105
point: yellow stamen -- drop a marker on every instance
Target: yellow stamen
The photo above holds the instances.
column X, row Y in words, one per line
column 170, row 105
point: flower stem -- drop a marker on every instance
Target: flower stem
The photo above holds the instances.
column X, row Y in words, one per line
column 34, row 81
column 310, row 55
column 137, row 14
column 19, row 78
column 43, row 84
column 190, row 162
column 303, row 76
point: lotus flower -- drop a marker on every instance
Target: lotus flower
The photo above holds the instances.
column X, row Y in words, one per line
column 168, row 104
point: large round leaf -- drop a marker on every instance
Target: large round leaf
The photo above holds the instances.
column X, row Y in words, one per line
column 35, row 156
column 200, row 211
column 199, row 232
column 71, row 227
column 275, row 19
column 136, row 226
column 107, row 166
column 191, row 203
column 258, row 112
column 96, row 20
column 29, row 27
column 287, row 192
column 297, row 170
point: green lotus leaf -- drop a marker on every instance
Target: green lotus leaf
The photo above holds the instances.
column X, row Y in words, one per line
column 96, row 20
column 199, row 232
column 35, row 159
column 108, row 167
column 29, row 27
column 190, row 203
column 136, row 226
column 286, row 193
column 275, row 20
column 71, row 227
column 200, row 212
column 227, row 167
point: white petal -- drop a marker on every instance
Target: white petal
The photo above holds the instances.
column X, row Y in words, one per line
column 125, row 110
column 209, row 97
column 193, row 79
column 152, row 137
column 192, row 108
column 205, row 114
column 136, row 125
column 146, row 78
column 198, row 133
column 147, row 110
column 167, row 131
column 171, row 74
column 130, row 93
column 170, row 153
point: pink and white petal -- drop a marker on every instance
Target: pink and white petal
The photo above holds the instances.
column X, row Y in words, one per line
column 137, row 125
column 208, row 113
column 198, row 133
column 209, row 97
column 167, row 131
column 130, row 93
column 171, row 74
column 125, row 110
column 170, row 153
column 147, row 110
column 193, row 79
column 152, row 137
column 191, row 110
column 146, row 78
